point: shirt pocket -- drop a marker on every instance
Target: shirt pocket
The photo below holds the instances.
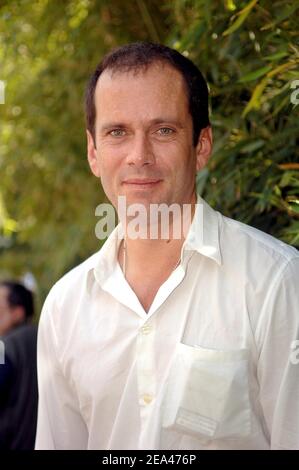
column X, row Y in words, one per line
column 207, row 393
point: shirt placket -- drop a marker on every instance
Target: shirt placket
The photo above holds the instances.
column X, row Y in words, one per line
column 147, row 386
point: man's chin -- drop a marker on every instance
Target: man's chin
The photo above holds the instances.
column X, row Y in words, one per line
column 141, row 198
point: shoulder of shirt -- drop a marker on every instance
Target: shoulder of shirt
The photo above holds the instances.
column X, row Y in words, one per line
column 20, row 330
column 75, row 278
column 18, row 337
column 262, row 243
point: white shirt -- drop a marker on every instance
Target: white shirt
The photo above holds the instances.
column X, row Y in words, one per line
column 210, row 366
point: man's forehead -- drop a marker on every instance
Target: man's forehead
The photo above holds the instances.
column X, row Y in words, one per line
column 160, row 70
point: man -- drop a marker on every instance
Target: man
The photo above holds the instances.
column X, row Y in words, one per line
column 167, row 343
column 18, row 377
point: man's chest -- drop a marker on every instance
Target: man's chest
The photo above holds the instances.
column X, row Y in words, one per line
column 115, row 347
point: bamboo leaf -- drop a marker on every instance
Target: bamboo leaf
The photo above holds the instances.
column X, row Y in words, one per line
column 256, row 74
column 242, row 14
column 277, row 56
column 254, row 102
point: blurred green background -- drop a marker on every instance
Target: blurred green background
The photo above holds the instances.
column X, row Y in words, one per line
column 249, row 54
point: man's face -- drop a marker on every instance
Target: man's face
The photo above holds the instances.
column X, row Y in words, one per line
column 5, row 311
column 144, row 137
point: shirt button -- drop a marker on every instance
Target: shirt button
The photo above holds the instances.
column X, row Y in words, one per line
column 146, row 329
column 147, row 399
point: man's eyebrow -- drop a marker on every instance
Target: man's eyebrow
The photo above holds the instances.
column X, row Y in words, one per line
column 168, row 120
column 112, row 125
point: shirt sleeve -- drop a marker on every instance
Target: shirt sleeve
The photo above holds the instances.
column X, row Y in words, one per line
column 60, row 424
column 277, row 337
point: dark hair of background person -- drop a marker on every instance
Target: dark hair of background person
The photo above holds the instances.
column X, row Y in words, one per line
column 19, row 296
column 140, row 55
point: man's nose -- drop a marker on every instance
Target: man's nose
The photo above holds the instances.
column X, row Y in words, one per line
column 141, row 152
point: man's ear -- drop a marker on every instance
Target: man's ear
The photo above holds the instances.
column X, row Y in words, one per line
column 92, row 155
column 204, row 147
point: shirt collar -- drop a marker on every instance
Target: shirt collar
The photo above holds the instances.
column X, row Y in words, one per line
column 107, row 257
column 203, row 237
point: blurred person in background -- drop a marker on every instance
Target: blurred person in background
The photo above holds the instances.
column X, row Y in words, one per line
column 18, row 378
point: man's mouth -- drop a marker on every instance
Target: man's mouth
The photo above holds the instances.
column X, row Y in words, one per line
column 141, row 182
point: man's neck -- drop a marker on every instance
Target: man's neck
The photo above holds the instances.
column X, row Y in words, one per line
column 149, row 262
column 154, row 255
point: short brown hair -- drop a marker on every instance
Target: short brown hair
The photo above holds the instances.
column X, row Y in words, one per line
column 140, row 55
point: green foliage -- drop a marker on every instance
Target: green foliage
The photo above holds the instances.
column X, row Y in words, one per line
column 48, row 197
column 248, row 51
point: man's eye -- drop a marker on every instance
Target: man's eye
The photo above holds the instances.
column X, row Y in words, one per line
column 165, row 131
column 117, row 133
